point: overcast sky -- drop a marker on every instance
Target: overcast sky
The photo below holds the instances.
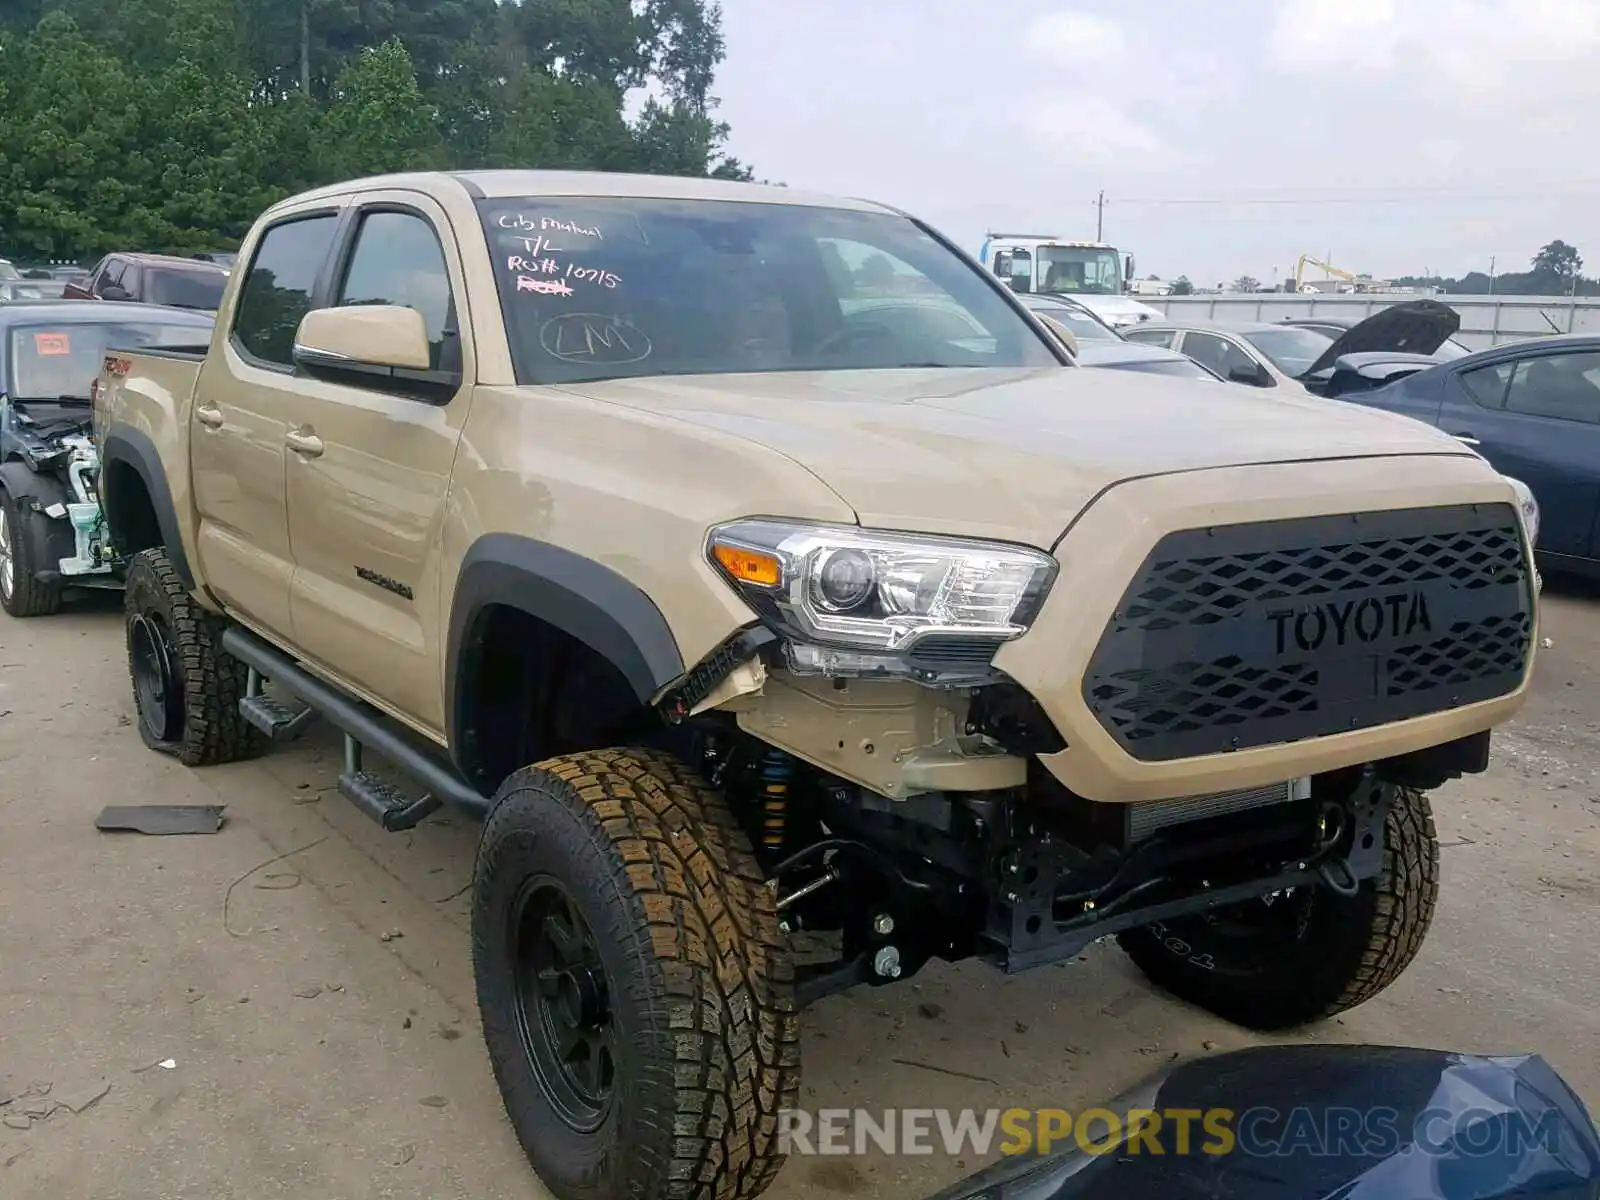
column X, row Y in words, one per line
column 1432, row 133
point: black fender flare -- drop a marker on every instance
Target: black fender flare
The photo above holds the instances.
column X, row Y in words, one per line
column 133, row 449
column 583, row 598
column 52, row 537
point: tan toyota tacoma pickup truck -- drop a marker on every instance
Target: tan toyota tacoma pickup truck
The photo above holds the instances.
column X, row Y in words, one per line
column 754, row 563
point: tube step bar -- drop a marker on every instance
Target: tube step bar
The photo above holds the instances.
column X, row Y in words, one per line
column 362, row 725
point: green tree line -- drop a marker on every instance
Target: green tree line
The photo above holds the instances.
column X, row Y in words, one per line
column 1557, row 270
column 168, row 125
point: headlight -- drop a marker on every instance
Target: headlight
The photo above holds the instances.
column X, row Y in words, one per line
column 1528, row 506
column 884, row 593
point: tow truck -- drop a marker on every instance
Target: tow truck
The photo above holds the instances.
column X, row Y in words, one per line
column 1096, row 274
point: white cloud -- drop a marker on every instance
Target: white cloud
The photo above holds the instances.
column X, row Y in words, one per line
column 1460, row 53
column 1090, row 129
column 1099, row 120
column 1076, row 36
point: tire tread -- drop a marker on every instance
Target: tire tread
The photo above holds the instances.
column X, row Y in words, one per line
column 213, row 681
column 726, row 979
column 29, row 597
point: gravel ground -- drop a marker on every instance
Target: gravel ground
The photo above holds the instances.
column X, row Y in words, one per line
column 287, row 1007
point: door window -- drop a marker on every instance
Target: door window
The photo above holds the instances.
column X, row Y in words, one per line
column 278, row 289
column 1016, row 268
column 110, row 276
column 398, row 260
column 1218, row 353
column 1565, row 387
column 1487, row 385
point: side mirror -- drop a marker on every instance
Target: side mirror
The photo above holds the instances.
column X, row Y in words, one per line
column 1127, row 269
column 1059, row 328
column 115, row 291
column 1252, row 375
column 379, row 346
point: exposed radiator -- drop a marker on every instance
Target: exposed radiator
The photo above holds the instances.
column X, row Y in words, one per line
column 1144, row 819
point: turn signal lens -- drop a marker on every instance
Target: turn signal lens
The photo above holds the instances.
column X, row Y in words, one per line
column 749, row 566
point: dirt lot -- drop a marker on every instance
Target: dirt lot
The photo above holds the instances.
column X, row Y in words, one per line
column 308, row 975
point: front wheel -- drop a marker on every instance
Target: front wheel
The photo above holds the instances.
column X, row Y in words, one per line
column 1312, row 953
column 21, row 593
column 636, row 991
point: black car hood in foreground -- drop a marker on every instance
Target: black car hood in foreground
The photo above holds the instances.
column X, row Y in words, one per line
column 1415, row 327
column 1330, row 1123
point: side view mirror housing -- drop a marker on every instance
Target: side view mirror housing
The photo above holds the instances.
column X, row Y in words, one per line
column 1254, row 376
column 1127, row 268
column 115, row 292
column 1065, row 335
column 379, row 346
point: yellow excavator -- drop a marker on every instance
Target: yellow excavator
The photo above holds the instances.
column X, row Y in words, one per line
column 1359, row 283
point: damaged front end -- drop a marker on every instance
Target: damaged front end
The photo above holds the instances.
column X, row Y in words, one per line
column 50, row 466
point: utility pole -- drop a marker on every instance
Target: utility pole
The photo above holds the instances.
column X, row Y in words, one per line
column 1491, row 274
column 1100, row 217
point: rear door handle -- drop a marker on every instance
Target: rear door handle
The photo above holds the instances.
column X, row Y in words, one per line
column 306, row 443
column 1466, row 439
column 208, row 416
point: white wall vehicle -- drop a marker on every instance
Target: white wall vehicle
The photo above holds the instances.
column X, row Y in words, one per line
column 1096, row 274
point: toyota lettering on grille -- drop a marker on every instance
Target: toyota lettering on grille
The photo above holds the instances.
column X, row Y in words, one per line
column 1339, row 623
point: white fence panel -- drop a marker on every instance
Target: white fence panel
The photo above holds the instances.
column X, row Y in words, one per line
column 1485, row 320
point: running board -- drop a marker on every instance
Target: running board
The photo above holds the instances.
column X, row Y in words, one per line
column 278, row 721
column 379, row 799
column 362, row 725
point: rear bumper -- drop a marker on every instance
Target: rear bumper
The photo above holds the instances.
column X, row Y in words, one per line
column 1110, row 545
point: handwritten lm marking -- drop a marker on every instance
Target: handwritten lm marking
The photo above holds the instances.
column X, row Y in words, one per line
column 593, row 337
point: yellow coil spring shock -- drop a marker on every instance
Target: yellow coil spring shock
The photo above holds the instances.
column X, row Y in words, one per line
column 777, row 771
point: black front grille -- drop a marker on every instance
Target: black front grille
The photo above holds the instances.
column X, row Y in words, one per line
column 1249, row 635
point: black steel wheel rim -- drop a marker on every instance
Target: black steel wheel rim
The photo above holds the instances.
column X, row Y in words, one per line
column 563, row 1004
column 155, row 688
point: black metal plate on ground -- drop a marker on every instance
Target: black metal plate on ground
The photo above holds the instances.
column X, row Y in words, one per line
column 160, row 820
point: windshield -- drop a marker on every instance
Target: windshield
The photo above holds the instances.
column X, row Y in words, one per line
column 600, row 288
column 1290, row 349
column 1183, row 368
column 1079, row 269
column 1082, row 324
column 7, row 271
column 1451, row 349
column 186, row 289
column 49, row 361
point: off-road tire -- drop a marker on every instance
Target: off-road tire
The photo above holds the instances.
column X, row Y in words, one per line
column 698, row 970
column 210, row 682
column 27, row 596
column 1347, row 952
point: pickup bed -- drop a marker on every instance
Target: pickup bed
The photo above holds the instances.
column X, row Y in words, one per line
column 754, row 562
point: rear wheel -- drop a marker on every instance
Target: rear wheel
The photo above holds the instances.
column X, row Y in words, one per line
column 185, row 688
column 21, row 594
column 1312, row 953
column 635, row 987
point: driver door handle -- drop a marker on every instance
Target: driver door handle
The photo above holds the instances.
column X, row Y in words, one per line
column 303, row 442
column 1466, row 439
column 208, row 416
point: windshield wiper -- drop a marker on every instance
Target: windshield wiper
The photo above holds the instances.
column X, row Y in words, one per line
column 69, row 398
